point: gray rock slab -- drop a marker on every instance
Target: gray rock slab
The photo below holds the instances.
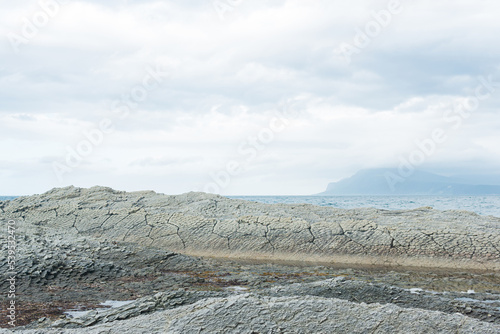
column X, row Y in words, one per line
column 251, row 313
column 211, row 225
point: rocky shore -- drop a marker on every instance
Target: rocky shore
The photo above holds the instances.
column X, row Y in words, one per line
column 204, row 263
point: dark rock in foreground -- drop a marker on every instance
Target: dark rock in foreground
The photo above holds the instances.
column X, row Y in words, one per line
column 254, row 313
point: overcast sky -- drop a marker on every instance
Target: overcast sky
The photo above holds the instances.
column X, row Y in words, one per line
column 249, row 97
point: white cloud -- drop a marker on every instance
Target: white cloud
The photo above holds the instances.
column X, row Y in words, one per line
column 227, row 78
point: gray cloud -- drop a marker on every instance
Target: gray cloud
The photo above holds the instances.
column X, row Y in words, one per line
column 226, row 81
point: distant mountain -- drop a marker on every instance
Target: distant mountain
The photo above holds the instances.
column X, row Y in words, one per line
column 387, row 181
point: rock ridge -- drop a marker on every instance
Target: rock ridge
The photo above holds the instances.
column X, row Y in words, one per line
column 255, row 313
column 211, row 225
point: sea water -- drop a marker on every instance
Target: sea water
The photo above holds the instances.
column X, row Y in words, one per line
column 483, row 205
column 7, row 198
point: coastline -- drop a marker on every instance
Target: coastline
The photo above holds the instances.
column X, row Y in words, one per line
column 86, row 246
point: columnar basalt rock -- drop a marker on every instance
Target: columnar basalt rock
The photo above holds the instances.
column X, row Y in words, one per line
column 103, row 243
column 262, row 314
column 211, row 225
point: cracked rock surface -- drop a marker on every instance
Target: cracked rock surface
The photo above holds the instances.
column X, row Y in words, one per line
column 251, row 313
column 360, row 271
column 211, row 225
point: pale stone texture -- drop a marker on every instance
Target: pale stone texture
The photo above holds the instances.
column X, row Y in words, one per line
column 250, row 313
column 69, row 226
column 204, row 224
